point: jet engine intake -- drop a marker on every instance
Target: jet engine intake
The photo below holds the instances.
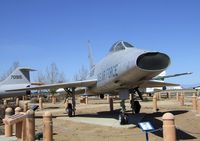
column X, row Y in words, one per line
column 153, row 61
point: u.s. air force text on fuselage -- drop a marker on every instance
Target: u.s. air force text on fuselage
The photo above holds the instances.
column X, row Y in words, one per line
column 108, row 73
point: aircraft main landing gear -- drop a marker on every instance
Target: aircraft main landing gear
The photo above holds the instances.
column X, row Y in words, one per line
column 71, row 107
column 135, row 105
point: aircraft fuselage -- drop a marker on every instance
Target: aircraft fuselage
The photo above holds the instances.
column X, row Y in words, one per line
column 120, row 69
column 4, row 93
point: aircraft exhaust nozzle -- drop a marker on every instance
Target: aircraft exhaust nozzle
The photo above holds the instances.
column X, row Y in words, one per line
column 153, row 61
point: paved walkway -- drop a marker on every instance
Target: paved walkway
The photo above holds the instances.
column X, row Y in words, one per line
column 3, row 138
column 112, row 122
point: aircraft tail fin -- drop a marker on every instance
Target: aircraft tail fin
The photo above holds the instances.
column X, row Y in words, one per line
column 20, row 75
column 90, row 56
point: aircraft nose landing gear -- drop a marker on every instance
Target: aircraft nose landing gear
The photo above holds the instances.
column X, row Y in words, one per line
column 123, row 117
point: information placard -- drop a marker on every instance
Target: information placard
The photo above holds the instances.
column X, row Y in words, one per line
column 146, row 126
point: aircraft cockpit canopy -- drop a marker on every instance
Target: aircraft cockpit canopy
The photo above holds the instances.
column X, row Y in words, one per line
column 120, row 45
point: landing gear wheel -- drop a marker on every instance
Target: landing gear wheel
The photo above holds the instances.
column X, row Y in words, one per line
column 69, row 109
column 136, row 107
column 123, row 119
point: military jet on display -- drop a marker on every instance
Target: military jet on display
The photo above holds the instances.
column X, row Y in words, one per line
column 121, row 72
column 19, row 78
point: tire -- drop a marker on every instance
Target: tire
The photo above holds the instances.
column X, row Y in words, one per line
column 69, row 112
column 123, row 119
column 69, row 109
column 137, row 107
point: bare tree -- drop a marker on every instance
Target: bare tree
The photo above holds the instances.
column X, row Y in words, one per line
column 41, row 77
column 82, row 74
column 10, row 70
column 62, row 77
column 52, row 74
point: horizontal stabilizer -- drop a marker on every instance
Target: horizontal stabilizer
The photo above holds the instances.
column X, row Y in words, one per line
column 150, row 83
column 169, row 76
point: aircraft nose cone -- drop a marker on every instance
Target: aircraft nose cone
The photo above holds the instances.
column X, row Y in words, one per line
column 153, row 61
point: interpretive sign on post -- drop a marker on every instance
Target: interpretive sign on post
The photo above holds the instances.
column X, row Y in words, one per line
column 146, row 127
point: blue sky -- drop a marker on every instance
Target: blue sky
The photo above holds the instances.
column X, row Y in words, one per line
column 39, row 32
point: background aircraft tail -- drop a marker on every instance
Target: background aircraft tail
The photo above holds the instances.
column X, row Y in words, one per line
column 90, row 56
column 20, row 75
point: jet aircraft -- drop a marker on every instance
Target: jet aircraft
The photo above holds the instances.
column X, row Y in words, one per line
column 122, row 71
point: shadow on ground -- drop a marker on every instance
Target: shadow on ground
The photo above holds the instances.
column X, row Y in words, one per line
column 103, row 114
column 151, row 117
column 52, row 108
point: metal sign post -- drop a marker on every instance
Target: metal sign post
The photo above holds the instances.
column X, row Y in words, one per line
column 147, row 137
column 146, row 127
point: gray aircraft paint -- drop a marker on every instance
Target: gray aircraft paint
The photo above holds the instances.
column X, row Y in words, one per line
column 19, row 78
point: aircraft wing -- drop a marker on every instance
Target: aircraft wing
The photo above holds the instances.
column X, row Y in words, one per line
column 151, row 83
column 75, row 84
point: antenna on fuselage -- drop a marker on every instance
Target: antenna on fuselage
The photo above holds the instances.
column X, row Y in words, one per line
column 90, row 55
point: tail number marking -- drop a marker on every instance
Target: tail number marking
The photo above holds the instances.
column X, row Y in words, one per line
column 16, row 76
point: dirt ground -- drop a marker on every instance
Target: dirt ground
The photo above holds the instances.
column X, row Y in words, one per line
column 187, row 123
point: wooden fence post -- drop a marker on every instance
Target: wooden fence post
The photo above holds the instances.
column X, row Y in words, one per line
column 18, row 126
column 182, row 99
column 8, row 128
column 17, row 102
column 30, row 125
column 169, row 129
column 40, row 103
column 198, row 106
column 25, row 106
column 194, row 102
column 48, row 127
column 155, row 106
column 111, row 104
